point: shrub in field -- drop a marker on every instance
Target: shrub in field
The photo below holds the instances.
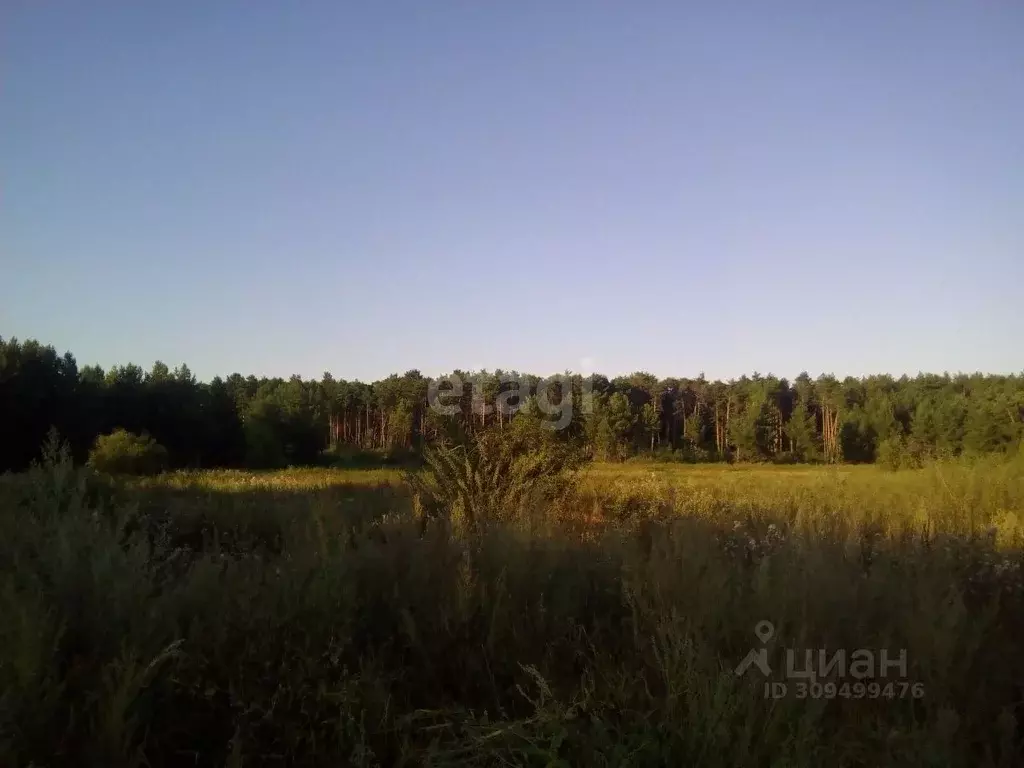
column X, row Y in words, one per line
column 124, row 453
column 494, row 475
column 899, row 452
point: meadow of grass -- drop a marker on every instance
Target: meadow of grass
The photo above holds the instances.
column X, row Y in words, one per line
column 317, row 617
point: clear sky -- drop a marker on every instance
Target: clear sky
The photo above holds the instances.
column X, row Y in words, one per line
column 290, row 187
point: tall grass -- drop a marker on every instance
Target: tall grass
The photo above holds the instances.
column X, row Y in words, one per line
column 500, row 476
column 313, row 619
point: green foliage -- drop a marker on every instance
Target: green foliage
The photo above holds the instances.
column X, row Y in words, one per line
column 747, row 427
column 124, row 453
column 900, row 452
column 265, row 423
column 610, row 427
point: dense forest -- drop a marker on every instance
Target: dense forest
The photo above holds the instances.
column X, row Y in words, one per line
column 260, row 423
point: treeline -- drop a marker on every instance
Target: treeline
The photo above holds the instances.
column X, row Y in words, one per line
column 249, row 422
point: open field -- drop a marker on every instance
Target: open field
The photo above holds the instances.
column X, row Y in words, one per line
column 954, row 497
column 310, row 617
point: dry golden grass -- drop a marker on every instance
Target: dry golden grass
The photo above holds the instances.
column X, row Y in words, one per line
column 307, row 617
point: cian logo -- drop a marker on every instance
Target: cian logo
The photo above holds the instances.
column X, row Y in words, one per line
column 758, row 657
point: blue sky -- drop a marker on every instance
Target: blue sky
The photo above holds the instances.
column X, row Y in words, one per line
column 293, row 187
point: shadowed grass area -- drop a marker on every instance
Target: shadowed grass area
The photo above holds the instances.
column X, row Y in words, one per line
column 311, row 617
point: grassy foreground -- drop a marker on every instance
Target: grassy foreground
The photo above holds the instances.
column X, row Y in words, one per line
column 311, row 618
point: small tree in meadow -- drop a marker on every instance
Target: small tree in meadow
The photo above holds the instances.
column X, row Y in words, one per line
column 125, row 453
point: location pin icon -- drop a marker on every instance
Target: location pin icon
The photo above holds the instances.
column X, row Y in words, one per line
column 764, row 631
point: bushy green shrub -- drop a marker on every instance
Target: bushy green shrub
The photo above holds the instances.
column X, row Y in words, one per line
column 899, row 452
column 124, row 453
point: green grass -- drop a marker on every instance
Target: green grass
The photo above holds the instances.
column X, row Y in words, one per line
column 310, row 617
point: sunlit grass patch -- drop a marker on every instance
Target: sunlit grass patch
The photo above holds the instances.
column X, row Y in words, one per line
column 300, row 479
